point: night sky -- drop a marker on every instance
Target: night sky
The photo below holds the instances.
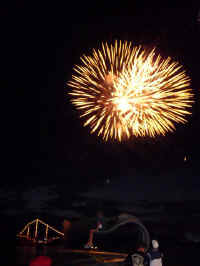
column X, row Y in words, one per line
column 46, row 142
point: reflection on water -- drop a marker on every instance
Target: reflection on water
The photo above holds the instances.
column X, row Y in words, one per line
column 26, row 254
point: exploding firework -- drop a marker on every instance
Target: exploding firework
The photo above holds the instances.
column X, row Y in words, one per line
column 123, row 90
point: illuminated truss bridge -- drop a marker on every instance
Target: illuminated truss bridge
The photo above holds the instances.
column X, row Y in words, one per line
column 39, row 232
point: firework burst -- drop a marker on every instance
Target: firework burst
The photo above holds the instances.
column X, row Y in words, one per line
column 123, row 90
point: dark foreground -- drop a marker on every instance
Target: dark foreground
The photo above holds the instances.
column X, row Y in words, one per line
column 175, row 255
column 175, row 225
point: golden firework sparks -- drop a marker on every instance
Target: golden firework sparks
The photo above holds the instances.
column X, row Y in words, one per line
column 122, row 91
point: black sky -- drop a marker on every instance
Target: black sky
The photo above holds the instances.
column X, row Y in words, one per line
column 47, row 143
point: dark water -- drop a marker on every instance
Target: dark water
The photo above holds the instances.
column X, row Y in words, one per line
column 58, row 256
column 173, row 256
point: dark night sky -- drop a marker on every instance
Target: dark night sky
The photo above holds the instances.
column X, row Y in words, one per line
column 47, row 143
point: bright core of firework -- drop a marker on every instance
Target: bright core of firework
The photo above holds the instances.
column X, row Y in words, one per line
column 122, row 104
column 123, row 91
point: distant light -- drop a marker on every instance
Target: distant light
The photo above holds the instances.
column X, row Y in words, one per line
column 185, row 159
column 107, row 181
column 198, row 17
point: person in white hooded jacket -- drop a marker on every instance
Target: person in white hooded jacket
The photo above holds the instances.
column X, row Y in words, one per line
column 154, row 255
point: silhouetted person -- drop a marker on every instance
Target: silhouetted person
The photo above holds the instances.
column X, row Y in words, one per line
column 100, row 224
column 154, row 255
column 137, row 258
column 66, row 228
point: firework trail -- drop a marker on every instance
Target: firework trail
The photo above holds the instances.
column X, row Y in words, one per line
column 123, row 90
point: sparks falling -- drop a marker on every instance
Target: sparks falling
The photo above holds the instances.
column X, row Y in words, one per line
column 123, row 90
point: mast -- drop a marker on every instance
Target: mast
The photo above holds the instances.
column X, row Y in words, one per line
column 28, row 231
column 36, row 228
column 46, row 233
